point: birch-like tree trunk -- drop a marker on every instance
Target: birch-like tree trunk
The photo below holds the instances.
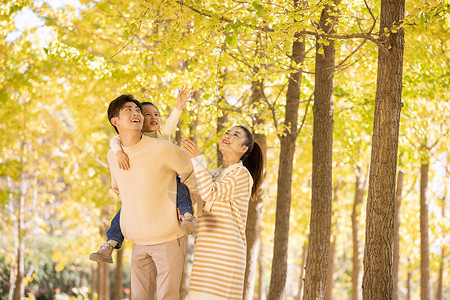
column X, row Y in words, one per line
column 378, row 251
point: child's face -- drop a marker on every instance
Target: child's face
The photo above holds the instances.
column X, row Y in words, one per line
column 152, row 122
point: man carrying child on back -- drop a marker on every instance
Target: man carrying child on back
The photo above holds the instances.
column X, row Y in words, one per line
column 148, row 193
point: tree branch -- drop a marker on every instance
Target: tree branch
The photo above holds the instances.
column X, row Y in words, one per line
column 304, row 116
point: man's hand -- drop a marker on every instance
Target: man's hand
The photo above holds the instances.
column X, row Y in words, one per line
column 184, row 95
column 190, row 147
column 122, row 159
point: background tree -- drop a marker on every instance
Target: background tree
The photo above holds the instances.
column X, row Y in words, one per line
column 67, row 65
column 377, row 280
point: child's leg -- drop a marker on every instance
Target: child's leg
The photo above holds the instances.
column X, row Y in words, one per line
column 184, row 202
column 114, row 232
column 114, row 240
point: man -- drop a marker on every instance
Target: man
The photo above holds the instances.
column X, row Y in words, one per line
column 148, row 194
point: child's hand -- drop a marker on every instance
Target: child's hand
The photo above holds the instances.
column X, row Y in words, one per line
column 122, row 159
column 190, row 147
column 183, row 96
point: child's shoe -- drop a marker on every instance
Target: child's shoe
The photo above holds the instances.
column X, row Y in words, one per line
column 104, row 254
column 188, row 223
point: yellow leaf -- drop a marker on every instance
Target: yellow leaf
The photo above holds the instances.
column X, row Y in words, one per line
column 59, row 266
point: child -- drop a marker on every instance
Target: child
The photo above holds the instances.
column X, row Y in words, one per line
column 152, row 128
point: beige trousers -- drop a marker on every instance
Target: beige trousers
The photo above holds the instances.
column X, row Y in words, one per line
column 157, row 270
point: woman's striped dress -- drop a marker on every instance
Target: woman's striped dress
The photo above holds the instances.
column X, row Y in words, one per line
column 220, row 244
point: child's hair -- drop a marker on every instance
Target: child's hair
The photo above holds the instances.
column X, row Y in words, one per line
column 253, row 160
column 117, row 104
column 149, row 103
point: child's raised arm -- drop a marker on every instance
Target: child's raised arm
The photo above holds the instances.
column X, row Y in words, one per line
column 184, row 95
column 169, row 127
column 122, row 157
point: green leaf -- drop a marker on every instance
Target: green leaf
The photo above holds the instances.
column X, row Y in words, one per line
column 231, row 40
column 259, row 8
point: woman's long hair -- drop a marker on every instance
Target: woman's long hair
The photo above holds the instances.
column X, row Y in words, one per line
column 253, row 160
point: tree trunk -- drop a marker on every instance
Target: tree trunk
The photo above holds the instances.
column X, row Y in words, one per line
column 283, row 207
column 360, row 185
column 94, row 280
column 220, row 130
column 397, row 221
column 118, row 275
column 261, row 283
column 194, row 122
column 184, row 288
column 253, row 232
column 103, row 269
column 253, row 229
column 322, row 178
column 424, row 246
column 408, row 286
column 440, row 279
column 302, row 272
column 378, row 251
column 329, row 292
column 17, row 287
column 221, row 120
column 103, row 281
column 441, row 263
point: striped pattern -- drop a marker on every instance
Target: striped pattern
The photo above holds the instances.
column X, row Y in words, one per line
column 220, row 245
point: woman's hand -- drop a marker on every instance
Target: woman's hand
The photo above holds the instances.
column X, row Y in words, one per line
column 190, row 147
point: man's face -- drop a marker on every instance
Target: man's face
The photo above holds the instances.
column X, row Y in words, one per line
column 152, row 121
column 130, row 118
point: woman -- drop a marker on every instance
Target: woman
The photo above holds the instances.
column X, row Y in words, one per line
column 220, row 244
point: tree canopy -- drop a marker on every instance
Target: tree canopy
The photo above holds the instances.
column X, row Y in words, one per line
column 62, row 62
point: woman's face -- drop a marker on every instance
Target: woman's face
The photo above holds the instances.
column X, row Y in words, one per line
column 233, row 142
column 152, row 121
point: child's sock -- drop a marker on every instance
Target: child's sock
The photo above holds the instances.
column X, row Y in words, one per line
column 112, row 243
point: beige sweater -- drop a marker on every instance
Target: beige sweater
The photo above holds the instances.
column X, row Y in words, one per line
column 148, row 190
